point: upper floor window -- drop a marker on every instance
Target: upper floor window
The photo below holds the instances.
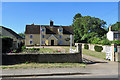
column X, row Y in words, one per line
column 116, row 35
column 43, row 36
column 31, row 36
column 60, row 36
column 60, row 30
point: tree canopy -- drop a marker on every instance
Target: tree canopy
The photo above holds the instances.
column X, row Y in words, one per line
column 116, row 26
column 87, row 27
column 22, row 35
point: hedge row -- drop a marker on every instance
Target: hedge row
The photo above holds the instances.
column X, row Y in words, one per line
column 97, row 48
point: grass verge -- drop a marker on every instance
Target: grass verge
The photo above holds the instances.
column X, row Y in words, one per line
column 43, row 65
column 99, row 55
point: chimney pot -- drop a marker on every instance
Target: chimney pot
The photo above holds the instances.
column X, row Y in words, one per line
column 51, row 23
column 110, row 28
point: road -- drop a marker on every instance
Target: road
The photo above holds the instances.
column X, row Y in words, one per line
column 92, row 70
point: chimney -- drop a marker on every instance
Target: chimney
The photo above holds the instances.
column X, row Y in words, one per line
column 51, row 23
column 110, row 28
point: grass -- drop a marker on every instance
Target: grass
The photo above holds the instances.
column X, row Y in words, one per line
column 68, row 48
column 99, row 55
column 51, row 50
column 43, row 65
column 46, row 50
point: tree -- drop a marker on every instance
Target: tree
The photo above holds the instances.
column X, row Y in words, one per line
column 22, row 35
column 116, row 26
column 86, row 27
column 78, row 15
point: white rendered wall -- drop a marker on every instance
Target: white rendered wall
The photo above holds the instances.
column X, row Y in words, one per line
column 110, row 36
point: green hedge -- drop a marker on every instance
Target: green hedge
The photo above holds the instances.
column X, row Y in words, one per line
column 7, row 43
column 116, row 42
column 98, row 48
column 86, row 46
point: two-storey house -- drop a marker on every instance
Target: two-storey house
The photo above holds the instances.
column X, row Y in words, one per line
column 48, row 35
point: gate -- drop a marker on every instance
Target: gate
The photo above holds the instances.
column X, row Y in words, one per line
column 109, row 53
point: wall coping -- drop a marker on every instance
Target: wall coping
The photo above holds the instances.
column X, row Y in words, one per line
column 37, row 53
column 95, row 44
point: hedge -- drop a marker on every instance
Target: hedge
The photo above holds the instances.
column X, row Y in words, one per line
column 7, row 43
column 86, row 46
column 98, row 48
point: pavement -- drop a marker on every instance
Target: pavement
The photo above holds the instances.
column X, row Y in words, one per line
column 95, row 67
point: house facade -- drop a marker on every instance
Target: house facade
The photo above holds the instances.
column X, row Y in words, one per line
column 48, row 35
column 113, row 35
column 17, row 40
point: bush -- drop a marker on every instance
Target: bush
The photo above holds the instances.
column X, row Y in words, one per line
column 116, row 42
column 105, row 42
column 23, row 48
column 86, row 46
column 98, row 48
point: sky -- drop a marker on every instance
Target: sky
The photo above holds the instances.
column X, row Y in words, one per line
column 16, row 15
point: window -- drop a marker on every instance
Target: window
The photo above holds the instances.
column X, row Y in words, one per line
column 116, row 35
column 60, row 42
column 31, row 42
column 43, row 30
column 60, row 30
column 60, row 36
column 31, row 36
column 43, row 36
column 43, row 42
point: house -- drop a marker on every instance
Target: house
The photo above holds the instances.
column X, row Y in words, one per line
column 17, row 40
column 48, row 35
column 113, row 35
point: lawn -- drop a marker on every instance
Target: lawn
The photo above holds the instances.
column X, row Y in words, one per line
column 43, row 65
column 99, row 55
column 48, row 50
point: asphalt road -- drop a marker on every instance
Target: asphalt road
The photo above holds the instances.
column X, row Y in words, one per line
column 99, row 71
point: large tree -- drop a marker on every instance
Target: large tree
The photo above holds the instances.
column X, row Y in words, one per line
column 116, row 26
column 22, row 35
column 86, row 27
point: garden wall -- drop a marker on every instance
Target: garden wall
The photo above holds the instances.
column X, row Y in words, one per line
column 109, row 50
column 12, row 58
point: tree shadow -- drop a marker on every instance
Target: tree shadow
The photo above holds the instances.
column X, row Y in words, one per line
column 86, row 61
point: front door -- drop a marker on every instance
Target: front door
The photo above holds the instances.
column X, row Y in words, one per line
column 52, row 42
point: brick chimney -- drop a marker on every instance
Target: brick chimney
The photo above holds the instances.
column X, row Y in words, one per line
column 110, row 28
column 51, row 23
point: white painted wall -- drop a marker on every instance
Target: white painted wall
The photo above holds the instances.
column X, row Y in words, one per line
column 110, row 36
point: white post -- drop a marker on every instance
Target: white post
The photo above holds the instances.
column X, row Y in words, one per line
column 40, row 36
column 70, row 43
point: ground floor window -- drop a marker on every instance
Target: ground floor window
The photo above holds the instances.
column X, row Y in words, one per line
column 60, row 42
column 31, row 42
column 43, row 42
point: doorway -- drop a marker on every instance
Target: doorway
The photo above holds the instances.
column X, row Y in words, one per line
column 52, row 42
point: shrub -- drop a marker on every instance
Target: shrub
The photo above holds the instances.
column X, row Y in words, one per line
column 23, row 48
column 7, row 43
column 86, row 46
column 98, row 48
column 116, row 42
column 105, row 42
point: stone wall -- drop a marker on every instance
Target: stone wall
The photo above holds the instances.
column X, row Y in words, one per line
column 42, row 58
